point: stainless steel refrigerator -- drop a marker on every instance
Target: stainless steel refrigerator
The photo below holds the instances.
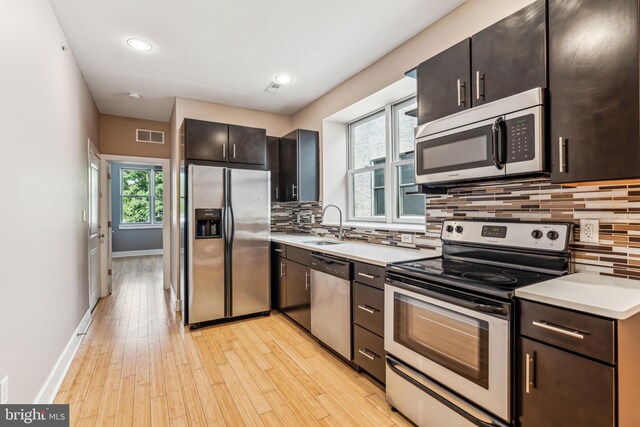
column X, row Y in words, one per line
column 228, row 243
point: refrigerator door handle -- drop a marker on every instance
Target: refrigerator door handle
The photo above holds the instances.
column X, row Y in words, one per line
column 231, row 230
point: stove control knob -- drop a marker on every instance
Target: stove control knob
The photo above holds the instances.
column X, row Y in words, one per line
column 553, row 235
column 449, row 228
column 536, row 234
column 459, row 229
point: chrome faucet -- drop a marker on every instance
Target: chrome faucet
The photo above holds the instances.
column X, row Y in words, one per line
column 340, row 234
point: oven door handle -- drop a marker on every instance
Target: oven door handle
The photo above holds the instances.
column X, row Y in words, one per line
column 494, row 309
column 462, row 408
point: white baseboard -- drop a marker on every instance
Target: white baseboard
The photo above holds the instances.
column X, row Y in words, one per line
column 123, row 254
column 51, row 386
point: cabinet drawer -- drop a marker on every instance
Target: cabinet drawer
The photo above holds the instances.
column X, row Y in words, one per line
column 368, row 274
column 368, row 352
column 368, row 308
column 301, row 256
column 279, row 249
column 582, row 333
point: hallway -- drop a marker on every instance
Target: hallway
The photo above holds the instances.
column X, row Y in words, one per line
column 137, row 366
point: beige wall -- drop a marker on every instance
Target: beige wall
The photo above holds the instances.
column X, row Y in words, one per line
column 118, row 136
column 463, row 22
column 47, row 115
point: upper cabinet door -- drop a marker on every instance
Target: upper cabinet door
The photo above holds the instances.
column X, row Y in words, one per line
column 509, row 57
column 247, row 145
column 273, row 165
column 444, row 83
column 206, row 140
column 593, row 81
column 289, row 167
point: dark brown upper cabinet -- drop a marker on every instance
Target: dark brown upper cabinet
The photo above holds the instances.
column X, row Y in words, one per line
column 509, row 57
column 593, row 82
column 247, row 145
column 299, row 166
column 206, row 140
column 273, row 165
column 444, row 83
column 504, row 59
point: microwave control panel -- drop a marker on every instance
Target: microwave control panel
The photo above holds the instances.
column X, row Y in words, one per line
column 521, row 139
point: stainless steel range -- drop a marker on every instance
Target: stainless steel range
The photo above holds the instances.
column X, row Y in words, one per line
column 449, row 329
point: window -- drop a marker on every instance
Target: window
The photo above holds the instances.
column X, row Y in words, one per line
column 381, row 166
column 141, row 191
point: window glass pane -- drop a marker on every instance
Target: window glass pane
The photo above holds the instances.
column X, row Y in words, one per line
column 368, row 146
column 135, row 182
column 406, row 125
column 158, row 183
column 368, row 199
column 159, row 210
column 135, row 209
column 408, row 204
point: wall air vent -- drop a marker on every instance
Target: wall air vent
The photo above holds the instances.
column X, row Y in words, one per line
column 273, row 87
column 149, row 136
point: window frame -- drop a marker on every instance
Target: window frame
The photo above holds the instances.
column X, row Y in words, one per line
column 391, row 166
column 152, row 223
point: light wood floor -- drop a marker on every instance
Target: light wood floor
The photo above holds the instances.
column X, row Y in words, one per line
column 138, row 366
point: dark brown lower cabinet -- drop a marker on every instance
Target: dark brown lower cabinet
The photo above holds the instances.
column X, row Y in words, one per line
column 278, row 282
column 564, row 389
column 298, row 298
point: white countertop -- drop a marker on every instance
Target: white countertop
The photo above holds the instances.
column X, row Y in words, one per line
column 356, row 251
column 611, row 297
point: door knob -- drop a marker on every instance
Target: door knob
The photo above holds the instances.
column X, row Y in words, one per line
column 101, row 236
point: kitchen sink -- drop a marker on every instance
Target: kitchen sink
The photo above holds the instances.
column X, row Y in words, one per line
column 321, row 242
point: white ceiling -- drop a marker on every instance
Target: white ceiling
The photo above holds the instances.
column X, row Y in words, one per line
column 228, row 51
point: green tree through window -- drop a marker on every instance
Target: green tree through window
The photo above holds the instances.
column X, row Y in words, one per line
column 141, row 195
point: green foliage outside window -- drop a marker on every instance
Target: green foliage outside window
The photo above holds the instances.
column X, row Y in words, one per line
column 142, row 196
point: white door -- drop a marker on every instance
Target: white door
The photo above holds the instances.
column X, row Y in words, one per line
column 94, row 229
column 109, row 233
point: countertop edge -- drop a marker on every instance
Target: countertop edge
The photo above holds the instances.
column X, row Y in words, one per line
column 583, row 308
column 323, row 249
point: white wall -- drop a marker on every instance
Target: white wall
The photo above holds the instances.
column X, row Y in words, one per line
column 46, row 116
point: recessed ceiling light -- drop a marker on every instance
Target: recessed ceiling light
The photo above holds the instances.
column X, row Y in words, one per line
column 283, row 78
column 135, row 96
column 140, row 44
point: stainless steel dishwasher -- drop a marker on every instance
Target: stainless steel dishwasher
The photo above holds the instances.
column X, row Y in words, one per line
column 331, row 302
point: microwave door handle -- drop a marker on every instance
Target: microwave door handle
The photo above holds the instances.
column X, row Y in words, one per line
column 497, row 137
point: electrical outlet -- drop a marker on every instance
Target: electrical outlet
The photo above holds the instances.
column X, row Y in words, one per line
column 4, row 390
column 298, row 216
column 589, row 230
column 313, row 219
column 406, row 238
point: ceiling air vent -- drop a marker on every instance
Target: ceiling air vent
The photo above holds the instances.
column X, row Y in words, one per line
column 149, row 136
column 273, row 87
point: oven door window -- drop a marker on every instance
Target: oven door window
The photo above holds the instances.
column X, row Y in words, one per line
column 458, row 342
column 462, row 150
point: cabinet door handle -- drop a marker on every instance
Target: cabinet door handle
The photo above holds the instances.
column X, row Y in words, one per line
column 479, row 85
column 277, row 198
column 368, row 276
column 367, row 309
column 366, row 353
column 461, row 98
column 224, row 151
column 234, row 151
column 528, row 373
column 562, row 162
column 544, row 325
column 307, row 280
column 282, row 272
column 279, row 250
column 293, row 191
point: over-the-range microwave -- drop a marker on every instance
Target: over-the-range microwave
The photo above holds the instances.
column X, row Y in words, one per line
column 491, row 141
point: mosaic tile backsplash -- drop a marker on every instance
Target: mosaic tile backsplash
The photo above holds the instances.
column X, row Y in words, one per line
column 617, row 207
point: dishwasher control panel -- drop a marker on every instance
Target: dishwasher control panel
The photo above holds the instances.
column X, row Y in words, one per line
column 338, row 267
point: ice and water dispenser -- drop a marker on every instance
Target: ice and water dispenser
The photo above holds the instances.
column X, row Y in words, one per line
column 208, row 223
